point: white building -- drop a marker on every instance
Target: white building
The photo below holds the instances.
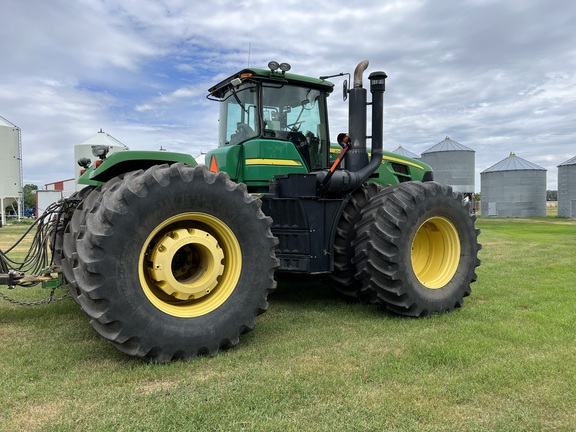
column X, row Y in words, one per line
column 10, row 169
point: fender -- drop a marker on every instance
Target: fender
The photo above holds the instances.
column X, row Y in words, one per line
column 122, row 162
column 395, row 168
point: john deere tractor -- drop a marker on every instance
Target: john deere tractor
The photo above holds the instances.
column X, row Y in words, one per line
column 171, row 259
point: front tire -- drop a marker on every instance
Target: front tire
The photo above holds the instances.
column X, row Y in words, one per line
column 417, row 249
column 73, row 204
column 174, row 262
column 88, row 196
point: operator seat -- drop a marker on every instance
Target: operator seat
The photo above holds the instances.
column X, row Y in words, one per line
column 302, row 146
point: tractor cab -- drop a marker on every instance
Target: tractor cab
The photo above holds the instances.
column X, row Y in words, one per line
column 282, row 118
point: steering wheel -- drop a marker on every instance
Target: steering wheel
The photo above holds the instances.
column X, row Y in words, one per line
column 294, row 127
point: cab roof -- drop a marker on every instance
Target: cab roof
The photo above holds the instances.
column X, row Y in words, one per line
column 266, row 75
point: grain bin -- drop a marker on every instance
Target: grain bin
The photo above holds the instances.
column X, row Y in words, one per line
column 404, row 152
column 453, row 164
column 10, row 168
column 567, row 188
column 513, row 187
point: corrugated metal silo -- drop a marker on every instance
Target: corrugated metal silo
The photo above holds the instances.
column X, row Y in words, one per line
column 404, row 152
column 453, row 164
column 84, row 149
column 10, row 168
column 513, row 187
column 567, row 188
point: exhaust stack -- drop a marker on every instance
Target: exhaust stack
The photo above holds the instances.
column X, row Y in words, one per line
column 358, row 169
column 357, row 156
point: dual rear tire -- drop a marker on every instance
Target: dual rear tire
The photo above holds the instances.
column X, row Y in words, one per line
column 416, row 249
column 343, row 277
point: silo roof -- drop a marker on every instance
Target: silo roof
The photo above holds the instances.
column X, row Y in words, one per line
column 4, row 122
column 402, row 151
column 514, row 163
column 102, row 138
column 447, row 145
column 569, row 162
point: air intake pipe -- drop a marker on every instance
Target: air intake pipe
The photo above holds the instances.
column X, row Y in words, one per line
column 358, row 169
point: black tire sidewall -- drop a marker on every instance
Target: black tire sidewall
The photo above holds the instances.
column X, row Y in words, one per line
column 342, row 278
column 136, row 218
column 439, row 205
column 383, row 248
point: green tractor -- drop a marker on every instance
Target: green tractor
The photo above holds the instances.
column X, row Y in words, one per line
column 171, row 259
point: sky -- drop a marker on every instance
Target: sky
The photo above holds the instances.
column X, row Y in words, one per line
column 495, row 76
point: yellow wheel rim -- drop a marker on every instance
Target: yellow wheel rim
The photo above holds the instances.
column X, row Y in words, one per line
column 435, row 252
column 190, row 264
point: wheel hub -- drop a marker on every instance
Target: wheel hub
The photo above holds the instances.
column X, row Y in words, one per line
column 186, row 263
column 435, row 252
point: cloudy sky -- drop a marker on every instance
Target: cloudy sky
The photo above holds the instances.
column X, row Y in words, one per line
column 496, row 76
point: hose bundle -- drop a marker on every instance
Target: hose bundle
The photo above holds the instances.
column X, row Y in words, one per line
column 40, row 254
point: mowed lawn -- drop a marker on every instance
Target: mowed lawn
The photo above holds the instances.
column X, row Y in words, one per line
column 506, row 361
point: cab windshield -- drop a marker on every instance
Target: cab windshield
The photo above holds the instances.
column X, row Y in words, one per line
column 288, row 113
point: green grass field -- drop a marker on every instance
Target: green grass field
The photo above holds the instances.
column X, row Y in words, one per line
column 503, row 362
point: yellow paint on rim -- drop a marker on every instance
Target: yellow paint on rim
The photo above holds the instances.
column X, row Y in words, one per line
column 435, row 252
column 190, row 264
column 281, row 162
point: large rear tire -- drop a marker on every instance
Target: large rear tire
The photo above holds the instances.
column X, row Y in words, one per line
column 342, row 278
column 174, row 262
column 417, row 249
